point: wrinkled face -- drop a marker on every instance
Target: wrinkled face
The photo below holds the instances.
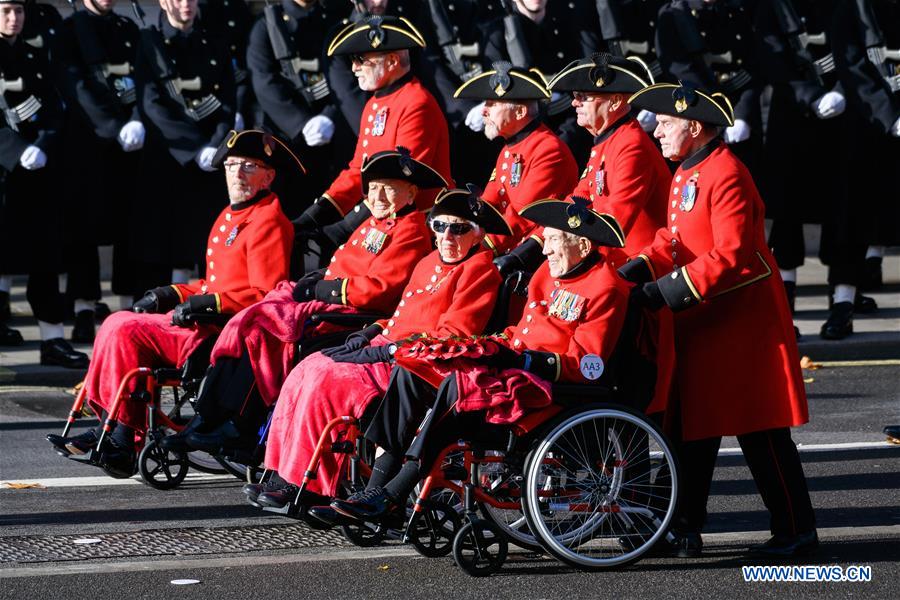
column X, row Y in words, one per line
column 371, row 70
column 245, row 177
column 387, row 196
column 376, row 7
column 674, row 136
column 101, row 6
column 455, row 237
column 563, row 250
column 501, row 118
column 180, row 12
column 12, row 19
column 595, row 111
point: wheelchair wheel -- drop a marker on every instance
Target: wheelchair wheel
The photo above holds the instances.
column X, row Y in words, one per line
column 480, row 548
column 205, row 463
column 600, row 488
column 160, row 468
column 505, row 485
column 364, row 535
column 433, row 530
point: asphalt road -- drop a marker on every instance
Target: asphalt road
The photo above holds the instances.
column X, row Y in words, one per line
column 204, row 531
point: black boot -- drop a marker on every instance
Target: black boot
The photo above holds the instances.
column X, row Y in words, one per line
column 10, row 337
column 224, row 436
column 83, row 332
column 840, row 322
column 177, row 442
column 59, row 352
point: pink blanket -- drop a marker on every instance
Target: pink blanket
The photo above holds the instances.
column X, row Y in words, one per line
column 269, row 331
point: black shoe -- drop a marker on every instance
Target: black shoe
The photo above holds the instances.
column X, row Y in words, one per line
column 893, row 433
column 78, row 444
column 58, row 352
column 83, row 332
column 368, row 505
column 10, row 337
column 840, row 322
column 101, row 311
column 787, row 545
column 225, row 435
column 253, row 490
column 685, row 545
column 325, row 515
column 864, row 305
column 873, row 278
column 278, row 498
column 177, row 442
column 119, row 462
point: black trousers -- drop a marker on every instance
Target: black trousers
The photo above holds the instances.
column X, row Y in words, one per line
column 83, row 267
column 775, row 465
column 843, row 251
column 229, row 392
column 417, row 421
column 42, row 293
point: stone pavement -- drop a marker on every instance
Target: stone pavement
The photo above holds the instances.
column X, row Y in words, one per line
column 876, row 336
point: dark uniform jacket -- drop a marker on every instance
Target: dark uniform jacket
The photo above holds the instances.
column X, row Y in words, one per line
column 232, row 20
column 28, row 199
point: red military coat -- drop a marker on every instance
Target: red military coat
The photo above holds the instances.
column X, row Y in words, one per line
column 533, row 165
column 377, row 260
column 248, row 252
column 577, row 318
column 627, row 177
column 445, row 300
column 737, row 367
column 403, row 114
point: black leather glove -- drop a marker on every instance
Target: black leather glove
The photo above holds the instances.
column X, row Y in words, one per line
column 185, row 313
column 505, row 358
column 319, row 214
column 647, row 296
column 527, row 257
column 636, row 270
column 158, row 300
column 305, row 288
column 355, row 341
column 508, row 263
column 366, row 355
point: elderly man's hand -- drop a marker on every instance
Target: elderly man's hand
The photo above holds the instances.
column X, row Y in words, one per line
column 647, row 296
column 304, row 289
column 366, row 355
column 183, row 315
column 504, row 358
column 158, row 300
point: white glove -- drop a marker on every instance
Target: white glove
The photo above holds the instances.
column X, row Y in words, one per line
column 475, row 118
column 895, row 130
column 33, row 158
column 647, row 120
column 205, row 157
column 830, row 105
column 238, row 121
column 131, row 136
column 738, row 132
column 318, row 131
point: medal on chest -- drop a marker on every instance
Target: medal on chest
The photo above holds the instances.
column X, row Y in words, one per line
column 380, row 121
column 600, row 177
column 515, row 172
column 374, row 240
column 233, row 234
column 689, row 193
column 565, row 305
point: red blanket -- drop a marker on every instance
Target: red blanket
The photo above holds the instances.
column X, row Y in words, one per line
column 269, row 331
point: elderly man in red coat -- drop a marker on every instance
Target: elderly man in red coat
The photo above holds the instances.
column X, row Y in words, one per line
column 452, row 292
column 533, row 164
column 400, row 112
column 247, row 253
column 711, row 266
column 258, row 348
column 576, row 309
column 625, row 175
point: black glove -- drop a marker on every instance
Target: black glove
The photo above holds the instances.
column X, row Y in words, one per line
column 636, row 270
column 505, row 358
column 508, row 263
column 186, row 313
column 319, row 214
column 647, row 296
column 158, row 300
column 527, row 257
column 366, row 355
column 355, row 341
column 305, row 288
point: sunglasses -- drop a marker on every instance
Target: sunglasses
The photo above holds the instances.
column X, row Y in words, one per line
column 582, row 97
column 454, row 228
column 364, row 61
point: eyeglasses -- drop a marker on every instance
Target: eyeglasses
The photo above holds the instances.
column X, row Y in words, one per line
column 359, row 59
column 582, row 97
column 246, row 166
column 454, row 228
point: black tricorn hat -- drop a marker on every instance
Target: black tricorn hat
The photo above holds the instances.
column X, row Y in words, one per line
column 376, row 34
column 576, row 217
column 504, row 82
column 258, row 145
column 685, row 101
column 603, row 73
column 398, row 164
column 467, row 204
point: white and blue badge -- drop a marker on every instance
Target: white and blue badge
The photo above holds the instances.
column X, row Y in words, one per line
column 591, row 366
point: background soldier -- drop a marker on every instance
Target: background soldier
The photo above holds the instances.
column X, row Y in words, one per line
column 232, row 20
column 29, row 211
column 96, row 59
column 42, row 24
column 186, row 96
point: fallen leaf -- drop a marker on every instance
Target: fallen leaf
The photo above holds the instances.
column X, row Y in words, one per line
column 807, row 363
column 23, row 486
column 384, row 567
column 809, row 380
